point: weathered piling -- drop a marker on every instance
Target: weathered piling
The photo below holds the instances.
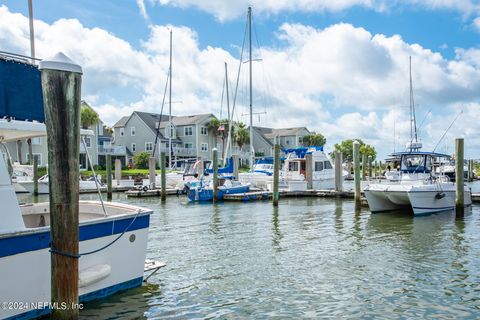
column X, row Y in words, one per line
column 276, row 169
column 61, row 86
column 35, row 177
column 375, row 169
column 151, row 171
column 118, row 171
column 215, row 174
column 470, row 170
column 30, row 151
column 309, row 170
column 108, row 163
column 364, row 166
column 356, row 170
column 236, row 164
column 338, row 171
column 163, row 177
column 369, row 167
column 459, row 174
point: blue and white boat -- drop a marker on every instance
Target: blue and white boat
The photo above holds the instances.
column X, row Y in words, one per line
column 203, row 191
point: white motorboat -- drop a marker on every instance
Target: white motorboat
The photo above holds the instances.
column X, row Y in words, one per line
column 260, row 175
column 43, row 188
column 25, row 238
column 418, row 188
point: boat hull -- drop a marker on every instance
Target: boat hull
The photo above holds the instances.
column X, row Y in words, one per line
column 118, row 267
column 206, row 194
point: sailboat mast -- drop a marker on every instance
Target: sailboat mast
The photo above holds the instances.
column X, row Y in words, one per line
column 229, row 138
column 413, row 122
column 252, row 151
column 170, row 109
column 32, row 35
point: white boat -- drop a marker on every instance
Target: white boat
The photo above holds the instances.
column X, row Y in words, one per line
column 84, row 185
column 260, row 175
column 418, row 188
column 25, row 257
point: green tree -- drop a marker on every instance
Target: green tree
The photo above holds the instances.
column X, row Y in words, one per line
column 346, row 148
column 314, row 139
column 140, row 160
column 220, row 129
column 88, row 116
column 241, row 135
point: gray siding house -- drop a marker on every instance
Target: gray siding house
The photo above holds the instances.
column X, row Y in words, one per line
column 264, row 139
column 189, row 135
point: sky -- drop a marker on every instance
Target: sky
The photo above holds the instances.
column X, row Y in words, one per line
column 340, row 68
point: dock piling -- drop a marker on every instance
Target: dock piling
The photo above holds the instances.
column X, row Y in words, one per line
column 364, row 166
column 338, row 171
column 35, row 177
column 151, row 172
column 356, row 170
column 163, row 176
column 375, row 169
column 309, row 170
column 470, row 170
column 61, row 86
column 108, row 163
column 215, row 174
column 236, row 164
column 459, row 176
column 369, row 167
column 118, row 171
column 276, row 169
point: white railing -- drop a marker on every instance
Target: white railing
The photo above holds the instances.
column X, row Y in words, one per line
column 113, row 150
column 181, row 151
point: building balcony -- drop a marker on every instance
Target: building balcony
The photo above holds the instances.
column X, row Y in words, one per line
column 177, row 151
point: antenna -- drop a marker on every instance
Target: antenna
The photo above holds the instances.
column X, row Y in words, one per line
column 413, row 121
column 451, row 124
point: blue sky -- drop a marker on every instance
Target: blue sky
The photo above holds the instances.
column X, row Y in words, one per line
column 339, row 68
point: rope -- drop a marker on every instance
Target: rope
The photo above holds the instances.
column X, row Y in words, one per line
column 77, row 256
column 94, row 175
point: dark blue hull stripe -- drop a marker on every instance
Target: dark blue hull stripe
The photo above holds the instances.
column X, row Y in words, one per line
column 99, row 294
column 38, row 241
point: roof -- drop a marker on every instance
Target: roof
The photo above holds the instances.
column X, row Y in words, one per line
column 186, row 120
column 419, row 153
column 122, row 122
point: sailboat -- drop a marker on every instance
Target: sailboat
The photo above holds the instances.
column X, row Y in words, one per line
column 419, row 188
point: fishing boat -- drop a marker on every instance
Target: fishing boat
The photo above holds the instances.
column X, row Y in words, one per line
column 260, row 175
column 418, row 187
column 112, row 236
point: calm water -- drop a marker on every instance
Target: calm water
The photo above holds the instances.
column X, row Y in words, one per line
column 316, row 258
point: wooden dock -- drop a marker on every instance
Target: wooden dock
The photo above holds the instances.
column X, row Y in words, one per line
column 151, row 192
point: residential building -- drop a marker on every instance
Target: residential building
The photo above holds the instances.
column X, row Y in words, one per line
column 189, row 135
column 264, row 139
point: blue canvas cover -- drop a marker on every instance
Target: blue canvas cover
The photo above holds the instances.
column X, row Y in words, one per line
column 20, row 91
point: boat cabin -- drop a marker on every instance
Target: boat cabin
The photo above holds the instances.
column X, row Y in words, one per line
column 418, row 162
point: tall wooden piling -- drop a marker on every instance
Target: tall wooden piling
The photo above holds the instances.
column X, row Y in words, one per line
column 375, row 169
column 118, row 171
column 338, row 171
column 369, row 167
column 151, row 171
column 309, row 170
column 35, row 177
column 470, row 170
column 459, row 176
column 356, row 170
column 163, row 176
column 108, row 164
column 30, row 151
column 276, row 169
column 215, row 174
column 364, row 166
column 236, row 165
column 61, row 86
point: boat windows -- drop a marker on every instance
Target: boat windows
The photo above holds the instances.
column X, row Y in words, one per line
column 415, row 163
column 318, row 165
column 293, row 166
column 327, row 165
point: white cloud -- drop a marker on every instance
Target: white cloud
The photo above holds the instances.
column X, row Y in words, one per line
column 341, row 81
column 231, row 9
column 143, row 10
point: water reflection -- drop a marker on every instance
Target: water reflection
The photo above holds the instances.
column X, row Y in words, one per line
column 276, row 234
column 215, row 221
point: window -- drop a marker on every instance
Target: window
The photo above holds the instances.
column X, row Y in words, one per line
column 188, row 145
column 188, row 131
column 300, row 140
column 204, row 147
column 203, row 131
column 134, row 147
column 37, row 156
column 293, row 166
column 88, row 142
column 132, row 131
column 36, row 141
column 122, row 132
column 327, row 165
column 318, row 165
column 148, row 146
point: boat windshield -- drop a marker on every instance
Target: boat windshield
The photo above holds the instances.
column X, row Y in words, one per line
column 415, row 163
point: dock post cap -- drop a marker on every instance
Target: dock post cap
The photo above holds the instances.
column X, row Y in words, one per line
column 60, row 62
column 214, row 149
column 356, row 142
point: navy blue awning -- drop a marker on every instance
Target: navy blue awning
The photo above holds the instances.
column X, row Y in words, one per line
column 20, row 91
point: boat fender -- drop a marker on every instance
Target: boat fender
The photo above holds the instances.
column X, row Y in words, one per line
column 93, row 274
column 440, row 195
column 145, row 188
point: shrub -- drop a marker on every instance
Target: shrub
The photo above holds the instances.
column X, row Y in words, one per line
column 140, row 160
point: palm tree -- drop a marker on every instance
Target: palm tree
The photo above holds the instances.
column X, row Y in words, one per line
column 88, row 116
column 241, row 135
